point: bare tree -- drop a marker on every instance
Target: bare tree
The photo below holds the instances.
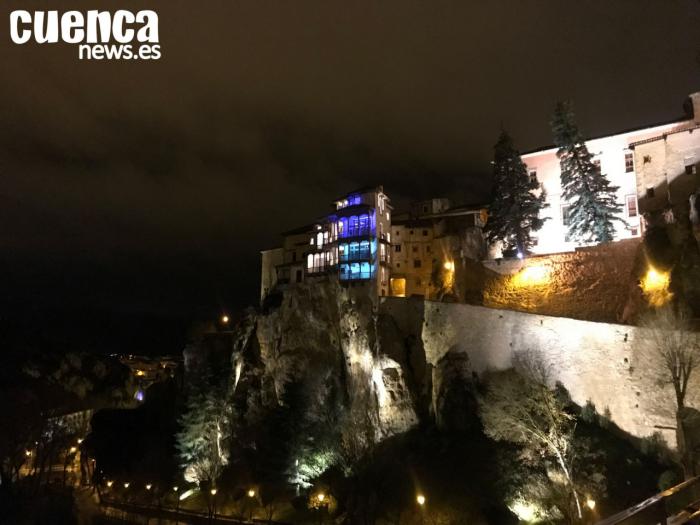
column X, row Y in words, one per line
column 667, row 334
column 521, row 407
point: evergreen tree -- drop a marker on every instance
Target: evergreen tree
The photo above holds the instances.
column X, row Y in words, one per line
column 515, row 210
column 592, row 201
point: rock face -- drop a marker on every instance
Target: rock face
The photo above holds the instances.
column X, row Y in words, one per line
column 332, row 333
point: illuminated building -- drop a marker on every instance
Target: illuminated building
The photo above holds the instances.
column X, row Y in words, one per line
column 351, row 244
column 653, row 166
column 431, row 234
column 363, row 243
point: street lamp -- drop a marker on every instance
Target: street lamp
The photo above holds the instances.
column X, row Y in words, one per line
column 590, row 503
column 251, row 493
column 224, row 319
column 109, row 484
column 420, row 499
column 148, row 486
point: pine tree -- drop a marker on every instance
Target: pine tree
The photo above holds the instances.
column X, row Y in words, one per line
column 592, row 200
column 515, row 210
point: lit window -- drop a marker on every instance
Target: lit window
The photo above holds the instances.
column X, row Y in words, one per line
column 353, row 226
column 364, row 249
column 631, row 205
column 354, row 251
column 364, row 224
column 311, row 241
column 629, row 162
column 310, row 261
column 319, row 239
column 343, row 251
column 388, row 237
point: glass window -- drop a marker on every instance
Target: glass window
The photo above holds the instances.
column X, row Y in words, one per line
column 364, row 249
column 319, row 239
column 565, row 212
column 354, row 251
column 364, row 224
column 343, row 251
column 397, row 248
column 343, row 227
column 416, row 263
column 354, row 226
column 629, row 162
column 354, row 270
column 310, row 261
column 344, row 272
column 365, row 271
column 533, row 175
column 631, row 205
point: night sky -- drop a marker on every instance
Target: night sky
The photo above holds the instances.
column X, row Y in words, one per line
column 149, row 188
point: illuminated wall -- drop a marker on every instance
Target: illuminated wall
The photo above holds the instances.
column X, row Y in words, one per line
column 600, row 362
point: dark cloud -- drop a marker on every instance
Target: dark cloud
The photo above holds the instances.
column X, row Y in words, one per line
column 153, row 185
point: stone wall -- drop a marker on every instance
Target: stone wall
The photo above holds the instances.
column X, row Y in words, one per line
column 601, row 362
column 599, row 283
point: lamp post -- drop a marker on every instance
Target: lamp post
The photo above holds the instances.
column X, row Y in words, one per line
column 177, row 504
column 420, row 499
column 212, row 510
column 251, row 495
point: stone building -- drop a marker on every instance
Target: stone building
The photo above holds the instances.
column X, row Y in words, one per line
column 666, row 164
column 361, row 244
column 650, row 165
column 431, row 237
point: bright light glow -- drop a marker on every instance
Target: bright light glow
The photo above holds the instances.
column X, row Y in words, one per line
column 27, row 453
column 524, row 511
column 73, row 450
column 79, row 441
column 139, row 395
column 533, row 275
column 251, row 493
column 321, row 496
column 449, row 266
column 140, row 373
column 110, row 483
column 520, row 255
column 175, row 488
column 148, row 487
column 420, row 499
column 378, row 380
column 126, row 485
column 186, row 494
column 590, row 503
column 398, row 286
column 224, row 319
column 213, row 492
column 655, row 286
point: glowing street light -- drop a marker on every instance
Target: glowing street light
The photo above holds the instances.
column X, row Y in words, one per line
column 321, row 497
column 224, row 319
column 213, row 492
column 148, row 487
column 251, row 493
column 175, row 488
column 449, row 266
column 73, row 450
column 126, row 485
column 27, row 453
column 420, row 499
column 110, row 483
column 80, row 440
column 590, row 503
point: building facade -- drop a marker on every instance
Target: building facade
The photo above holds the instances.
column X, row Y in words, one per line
column 351, row 244
column 641, row 163
column 429, row 241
